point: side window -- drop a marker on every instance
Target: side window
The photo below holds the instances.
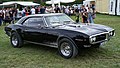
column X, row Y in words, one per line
column 26, row 22
column 33, row 22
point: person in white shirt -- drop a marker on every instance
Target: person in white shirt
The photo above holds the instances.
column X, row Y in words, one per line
column 23, row 12
column 87, row 8
column 33, row 11
column 66, row 11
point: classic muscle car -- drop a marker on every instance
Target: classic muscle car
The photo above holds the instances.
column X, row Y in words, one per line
column 59, row 31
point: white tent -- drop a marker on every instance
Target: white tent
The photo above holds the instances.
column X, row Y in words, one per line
column 87, row 2
column 58, row 2
column 66, row 1
column 20, row 3
column 50, row 2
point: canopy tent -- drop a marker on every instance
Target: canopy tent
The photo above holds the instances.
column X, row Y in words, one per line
column 50, row 2
column 58, row 2
column 20, row 3
column 66, row 1
column 89, row 2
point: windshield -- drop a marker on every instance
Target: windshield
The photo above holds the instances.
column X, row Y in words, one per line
column 58, row 20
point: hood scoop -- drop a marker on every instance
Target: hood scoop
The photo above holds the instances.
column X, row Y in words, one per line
column 74, row 25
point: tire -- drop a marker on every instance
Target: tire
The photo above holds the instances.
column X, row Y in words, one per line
column 16, row 40
column 67, row 48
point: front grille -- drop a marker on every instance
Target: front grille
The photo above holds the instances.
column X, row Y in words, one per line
column 100, row 37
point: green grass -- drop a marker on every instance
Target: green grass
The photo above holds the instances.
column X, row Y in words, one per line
column 35, row 56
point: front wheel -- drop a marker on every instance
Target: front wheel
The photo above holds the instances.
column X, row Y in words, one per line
column 67, row 48
column 16, row 40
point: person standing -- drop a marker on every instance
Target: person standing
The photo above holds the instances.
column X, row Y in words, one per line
column 77, row 14
column 11, row 13
column 42, row 10
column 66, row 11
column 36, row 10
column 85, row 17
column 84, row 14
column 29, row 11
column 23, row 12
column 33, row 11
column 57, row 9
column 90, row 13
column 0, row 18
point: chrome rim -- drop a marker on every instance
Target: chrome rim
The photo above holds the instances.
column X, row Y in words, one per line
column 14, row 40
column 65, row 49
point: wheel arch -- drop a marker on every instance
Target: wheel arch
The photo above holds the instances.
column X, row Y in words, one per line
column 62, row 36
column 12, row 31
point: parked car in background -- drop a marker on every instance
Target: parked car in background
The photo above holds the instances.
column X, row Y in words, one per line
column 59, row 31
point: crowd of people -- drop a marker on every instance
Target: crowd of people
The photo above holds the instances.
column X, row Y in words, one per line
column 86, row 13
column 8, row 15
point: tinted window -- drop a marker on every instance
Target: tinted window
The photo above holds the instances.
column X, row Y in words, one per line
column 32, row 22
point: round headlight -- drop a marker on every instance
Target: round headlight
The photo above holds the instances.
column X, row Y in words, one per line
column 110, row 33
column 92, row 39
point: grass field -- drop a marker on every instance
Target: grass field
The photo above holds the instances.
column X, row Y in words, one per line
column 35, row 56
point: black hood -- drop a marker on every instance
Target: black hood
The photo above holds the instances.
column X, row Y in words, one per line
column 89, row 29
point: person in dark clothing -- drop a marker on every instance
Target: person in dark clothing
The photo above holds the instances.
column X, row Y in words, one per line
column 36, row 10
column 85, row 17
column 83, row 11
column 57, row 9
column 77, row 14
column 42, row 10
column 0, row 19
column 63, row 9
column 11, row 13
column 93, row 7
column 29, row 11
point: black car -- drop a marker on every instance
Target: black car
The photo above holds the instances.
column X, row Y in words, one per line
column 59, row 31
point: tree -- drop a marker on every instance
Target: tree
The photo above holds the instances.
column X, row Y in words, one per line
column 78, row 1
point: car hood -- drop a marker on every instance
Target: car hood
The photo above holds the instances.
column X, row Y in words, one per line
column 89, row 29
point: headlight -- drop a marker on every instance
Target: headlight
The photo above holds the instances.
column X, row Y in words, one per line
column 111, row 33
column 92, row 39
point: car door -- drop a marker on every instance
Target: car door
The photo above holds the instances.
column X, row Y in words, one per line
column 33, row 29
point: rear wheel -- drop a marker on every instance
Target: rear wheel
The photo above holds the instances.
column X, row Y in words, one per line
column 16, row 40
column 67, row 49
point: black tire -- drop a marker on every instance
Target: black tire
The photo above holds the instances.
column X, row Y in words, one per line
column 16, row 40
column 70, row 45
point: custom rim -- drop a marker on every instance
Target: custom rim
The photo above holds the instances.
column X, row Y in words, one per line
column 14, row 40
column 65, row 49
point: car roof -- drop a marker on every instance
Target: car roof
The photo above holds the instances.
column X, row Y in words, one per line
column 48, row 14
